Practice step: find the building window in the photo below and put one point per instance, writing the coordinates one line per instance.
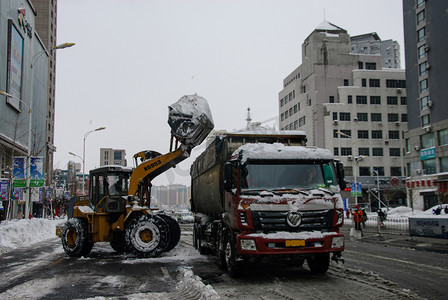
(117, 155)
(429, 166)
(286, 114)
(346, 151)
(282, 102)
(370, 66)
(421, 34)
(426, 120)
(394, 151)
(296, 124)
(364, 171)
(422, 69)
(377, 151)
(361, 99)
(377, 134)
(360, 65)
(282, 116)
(420, 2)
(421, 52)
(395, 171)
(427, 140)
(394, 135)
(364, 151)
(392, 100)
(345, 82)
(106, 154)
(443, 137)
(375, 99)
(335, 116)
(349, 99)
(296, 108)
(380, 171)
(403, 100)
(362, 117)
(335, 133)
(331, 99)
(336, 151)
(364, 82)
(424, 85)
(374, 82)
(302, 121)
(348, 171)
(375, 117)
(424, 103)
(392, 117)
(363, 134)
(344, 116)
(395, 83)
(420, 16)
(346, 134)
(444, 164)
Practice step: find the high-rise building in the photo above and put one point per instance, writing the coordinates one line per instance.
(350, 104)
(109, 156)
(426, 152)
(46, 27)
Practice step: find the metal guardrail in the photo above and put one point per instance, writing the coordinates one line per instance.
(391, 225)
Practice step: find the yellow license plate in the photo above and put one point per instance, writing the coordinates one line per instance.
(295, 243)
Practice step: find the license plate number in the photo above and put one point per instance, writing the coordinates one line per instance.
(295, 243)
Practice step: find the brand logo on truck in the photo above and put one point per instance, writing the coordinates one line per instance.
(293, 219)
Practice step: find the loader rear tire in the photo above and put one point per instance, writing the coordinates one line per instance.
(174, 231)
(147, 236)
(75, 238)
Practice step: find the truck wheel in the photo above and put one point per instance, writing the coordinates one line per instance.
(174, 231)
(319, 263)
(234, 267)
(118, 243)
(147, 236)
(75, 238)
(202, 250)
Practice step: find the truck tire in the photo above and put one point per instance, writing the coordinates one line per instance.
(147, 236)
(174, 231)
(75, 238)
(118, 243)
(202, 250)
(234, 267)
(319, 263)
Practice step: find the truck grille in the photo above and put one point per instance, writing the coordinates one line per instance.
(276, 220)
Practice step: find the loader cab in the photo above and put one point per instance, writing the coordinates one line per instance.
(109, 188)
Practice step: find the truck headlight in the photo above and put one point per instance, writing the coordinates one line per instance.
(248, 245)
(337, 242)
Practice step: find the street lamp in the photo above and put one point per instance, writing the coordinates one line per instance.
(84, 152)
(30, 111)
(83, 183)
(378, 187)
(355, 165)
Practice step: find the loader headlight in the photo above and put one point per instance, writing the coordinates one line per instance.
(248, 245)
(337, 242)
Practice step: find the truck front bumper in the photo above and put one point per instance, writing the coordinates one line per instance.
(290, 243)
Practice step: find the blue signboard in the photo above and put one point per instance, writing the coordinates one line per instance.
(37, 171)
(429, 153)
(19, 172)
(356, 191)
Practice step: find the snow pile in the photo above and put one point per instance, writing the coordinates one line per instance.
(23, 233)
(192, 287)
(280, 151)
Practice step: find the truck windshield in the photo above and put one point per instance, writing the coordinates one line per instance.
(287, 176)
(118, 184)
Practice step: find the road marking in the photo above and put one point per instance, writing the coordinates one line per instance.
(165, 272)
(400, 261)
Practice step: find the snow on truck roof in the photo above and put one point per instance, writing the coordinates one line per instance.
(280, 151)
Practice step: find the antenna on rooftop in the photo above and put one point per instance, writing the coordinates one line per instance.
(248, 119)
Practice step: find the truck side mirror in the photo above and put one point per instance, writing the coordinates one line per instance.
(340, 174)
(228, 179)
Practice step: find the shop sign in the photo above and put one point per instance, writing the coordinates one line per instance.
(24, 24)
(429, 153)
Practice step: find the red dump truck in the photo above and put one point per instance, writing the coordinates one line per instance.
(265, 196)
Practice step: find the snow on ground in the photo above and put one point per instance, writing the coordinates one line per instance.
(20, 233)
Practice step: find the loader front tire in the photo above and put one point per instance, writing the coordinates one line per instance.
(75, 238)
(147, 236)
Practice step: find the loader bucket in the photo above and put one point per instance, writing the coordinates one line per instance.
(190, 120)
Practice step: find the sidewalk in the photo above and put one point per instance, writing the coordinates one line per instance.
(404, 241)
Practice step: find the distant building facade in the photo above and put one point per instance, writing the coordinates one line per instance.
(109, 156)
(172, 196)
(426, 151)
(350, 104)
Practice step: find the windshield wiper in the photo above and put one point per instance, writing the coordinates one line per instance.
(326, 191)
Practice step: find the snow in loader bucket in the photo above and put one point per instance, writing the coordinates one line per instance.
(190, 120)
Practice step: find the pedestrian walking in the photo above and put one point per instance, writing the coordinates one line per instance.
(381, 217)
(364, 217)
(357, 218)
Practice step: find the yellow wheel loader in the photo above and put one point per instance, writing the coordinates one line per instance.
(117, 209)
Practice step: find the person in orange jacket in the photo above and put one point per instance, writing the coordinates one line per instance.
(357, 218)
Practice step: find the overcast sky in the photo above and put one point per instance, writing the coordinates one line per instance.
(134, 58)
